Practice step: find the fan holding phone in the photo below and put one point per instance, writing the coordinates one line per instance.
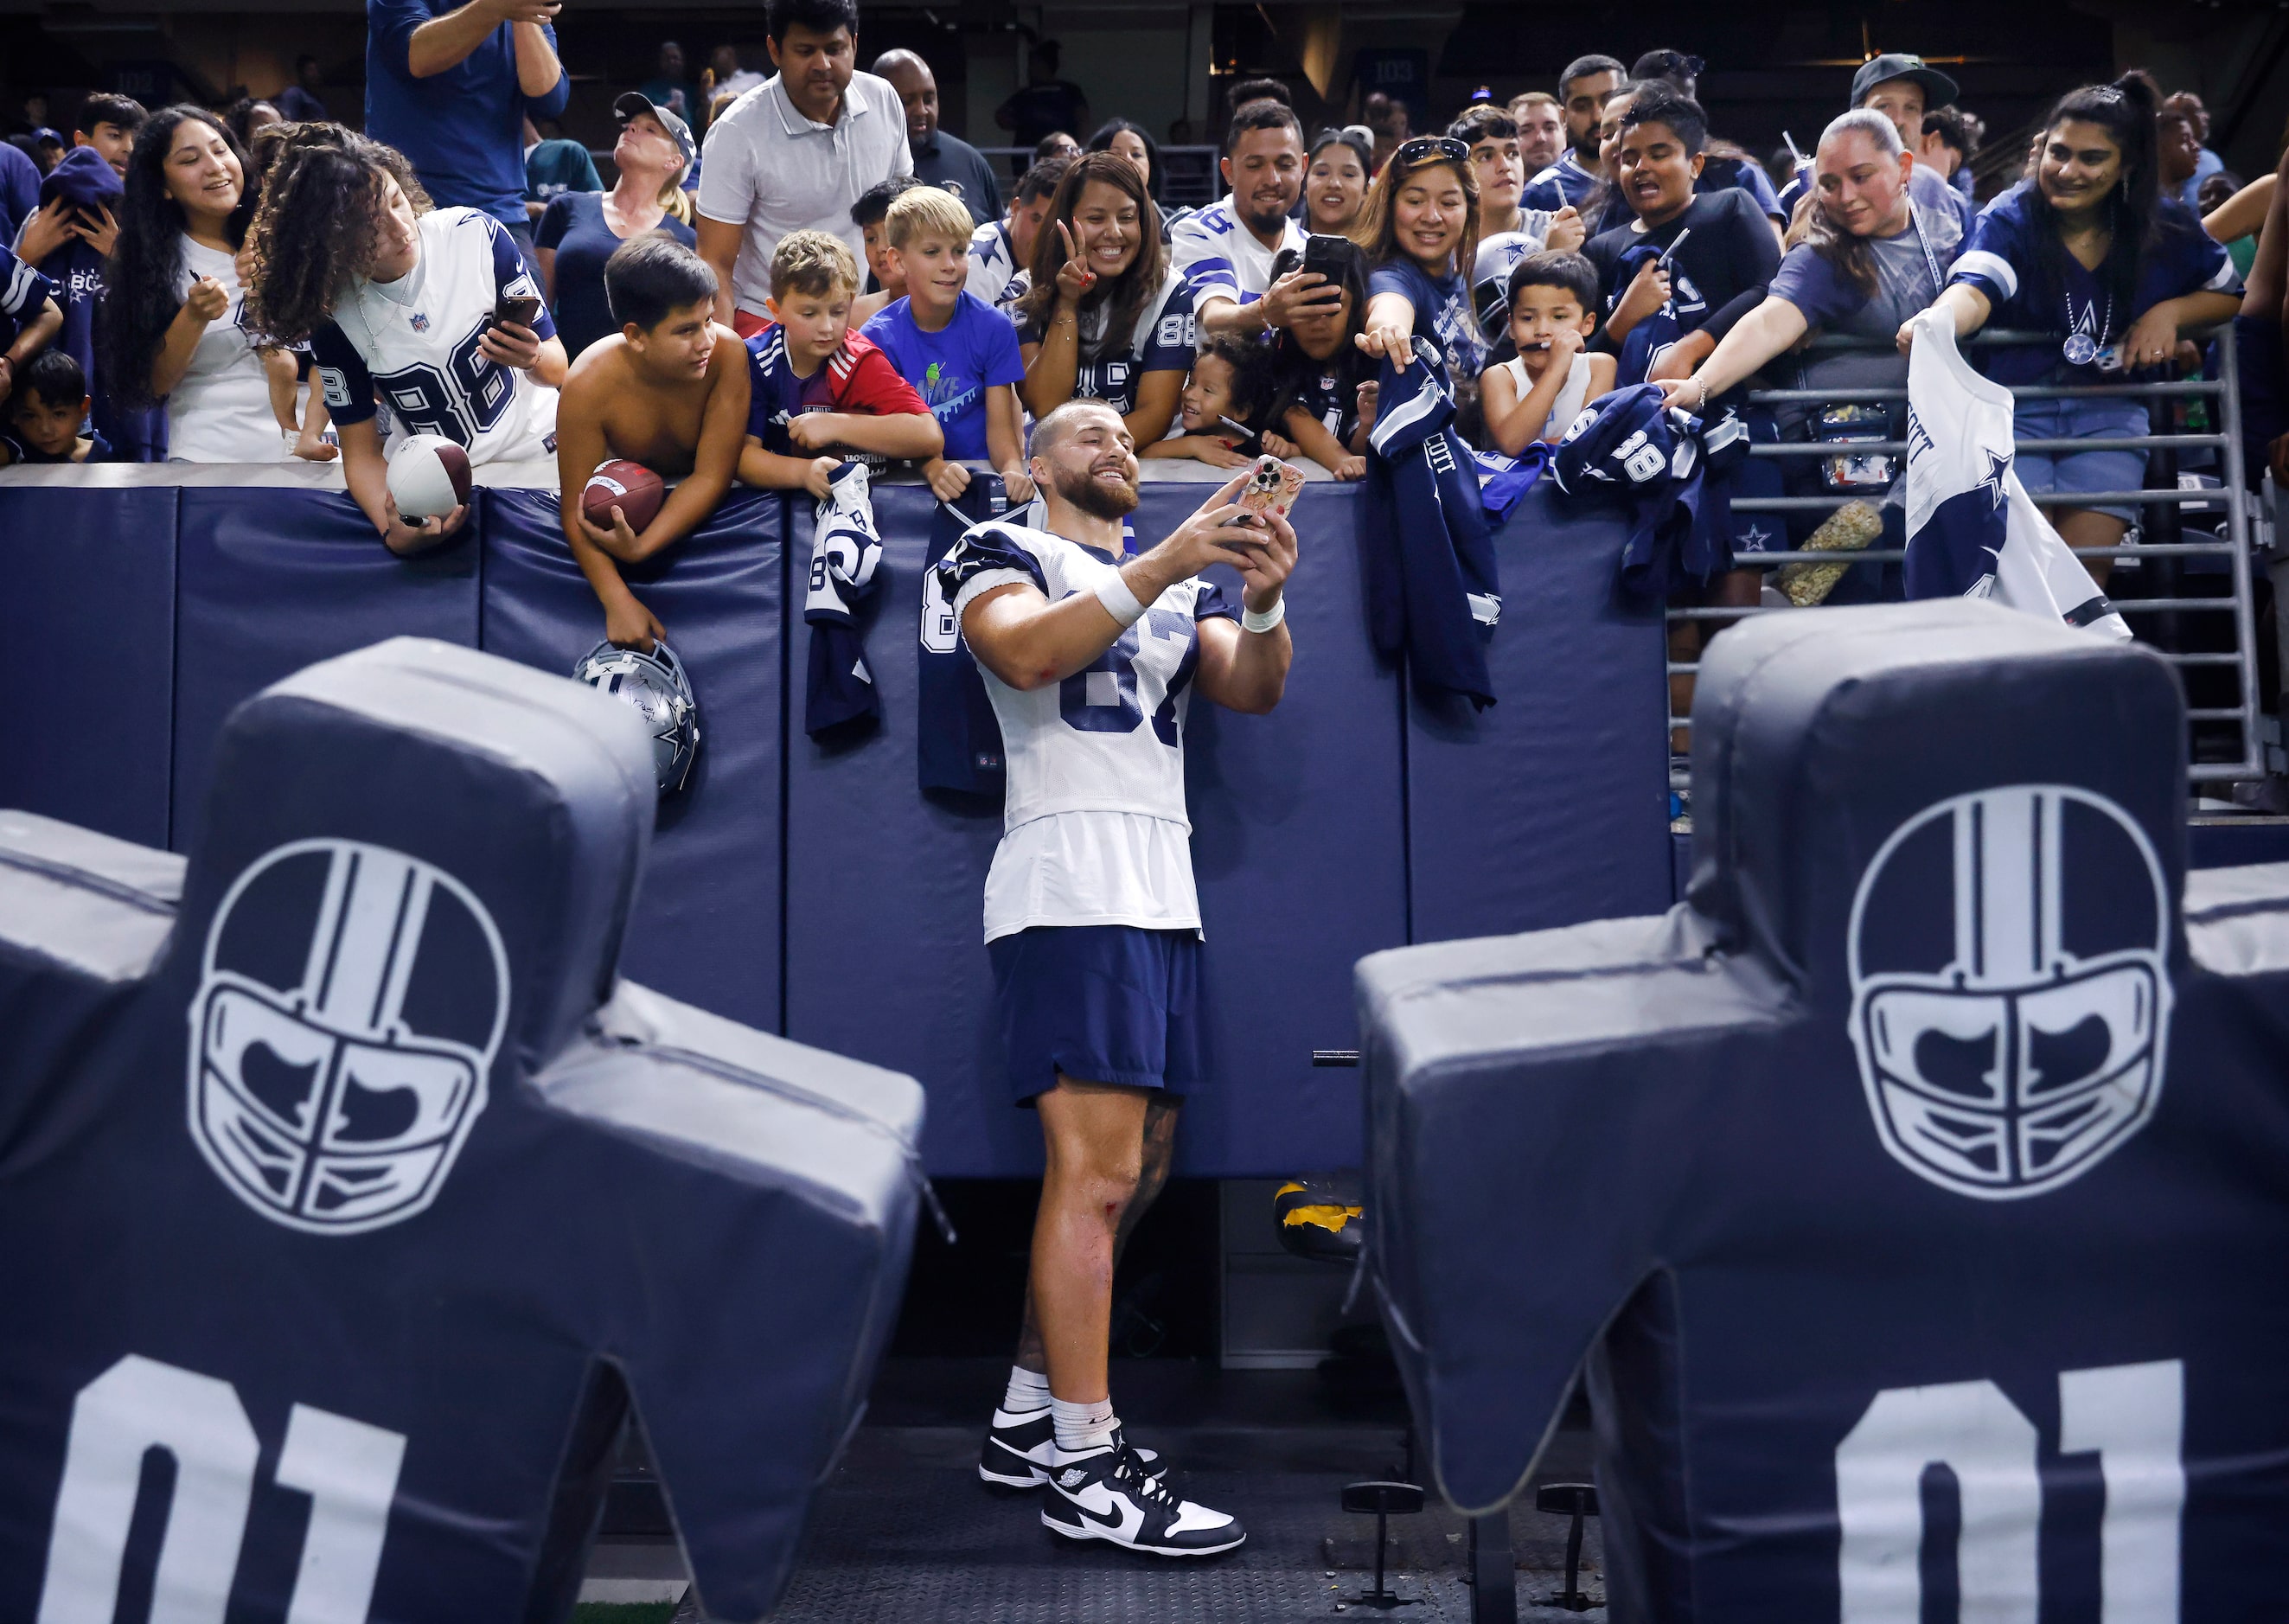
(432, 310)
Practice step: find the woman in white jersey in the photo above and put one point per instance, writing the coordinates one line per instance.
(398, 303)
(173, 328)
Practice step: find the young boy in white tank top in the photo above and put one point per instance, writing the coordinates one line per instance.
(1538, 392)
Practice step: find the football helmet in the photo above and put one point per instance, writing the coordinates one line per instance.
(655, 684)
(350, 1003)
(2009, 957)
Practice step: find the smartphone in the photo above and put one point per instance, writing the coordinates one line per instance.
(516, 308)
(1328, 256)
(1272, 487)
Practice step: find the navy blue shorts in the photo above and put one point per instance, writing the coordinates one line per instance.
(1099, 1003)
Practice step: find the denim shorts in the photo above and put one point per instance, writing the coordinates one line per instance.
(2067, 472)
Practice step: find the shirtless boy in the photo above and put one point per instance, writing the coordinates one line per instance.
(668, 391)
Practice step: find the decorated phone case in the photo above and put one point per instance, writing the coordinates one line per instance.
(1272, 487)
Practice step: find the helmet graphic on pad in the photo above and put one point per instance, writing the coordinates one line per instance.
(2011, 988)
(350, 1004)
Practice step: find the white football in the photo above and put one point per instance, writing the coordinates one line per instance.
(428, 477)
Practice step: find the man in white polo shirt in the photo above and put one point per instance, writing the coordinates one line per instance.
(795, 153)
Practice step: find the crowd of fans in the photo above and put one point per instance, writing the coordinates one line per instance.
(165, 298)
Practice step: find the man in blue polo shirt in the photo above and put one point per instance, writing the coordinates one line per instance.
(450, 88)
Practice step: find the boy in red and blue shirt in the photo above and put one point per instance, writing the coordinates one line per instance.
(816, 387)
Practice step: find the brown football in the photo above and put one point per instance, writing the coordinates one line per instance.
(629, 486)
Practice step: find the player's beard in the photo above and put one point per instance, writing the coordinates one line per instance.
(1095, 497)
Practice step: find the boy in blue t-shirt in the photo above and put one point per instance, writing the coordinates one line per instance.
(954, 349)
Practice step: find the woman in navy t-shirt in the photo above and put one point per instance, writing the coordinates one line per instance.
(2088, 248)
(1420, 221)
(580, 230)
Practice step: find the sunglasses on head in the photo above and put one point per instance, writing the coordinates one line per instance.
(1431, 150)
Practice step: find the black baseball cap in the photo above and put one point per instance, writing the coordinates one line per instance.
(1939, 90)
(632, 102)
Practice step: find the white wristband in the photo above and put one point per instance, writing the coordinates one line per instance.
(1250, 621)
(1119, 602)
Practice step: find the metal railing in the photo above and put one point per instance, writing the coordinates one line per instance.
(1189, 179)
(2155, 617)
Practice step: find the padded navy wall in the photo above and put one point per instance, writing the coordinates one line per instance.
(707, 928)
(885, 889)
(270, 580)
(1551, 807)
(89, 605)
(1349, 820)
(1297, 844)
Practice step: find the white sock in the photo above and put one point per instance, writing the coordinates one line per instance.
(1028, 1391)
(1082, 1428)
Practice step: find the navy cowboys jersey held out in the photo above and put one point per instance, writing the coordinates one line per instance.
(1094, 830)
(1917, 1189)
(414, 344)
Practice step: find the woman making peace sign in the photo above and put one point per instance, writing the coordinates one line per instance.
(1106, 319)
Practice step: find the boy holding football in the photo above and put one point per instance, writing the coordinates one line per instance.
(814, 385)
(669, 390)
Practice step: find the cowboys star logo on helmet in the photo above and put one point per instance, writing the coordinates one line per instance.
(2011, 988)
(350, 1004)
(653, 682)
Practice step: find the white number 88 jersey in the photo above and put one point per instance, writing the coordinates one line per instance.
(413, 346)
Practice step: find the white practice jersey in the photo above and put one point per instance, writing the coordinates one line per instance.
(1219, 257)
(1972, 531)
(1095, 831)
(412, 345)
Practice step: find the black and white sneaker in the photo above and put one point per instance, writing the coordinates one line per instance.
(1018, 1450)
(1106, 1496)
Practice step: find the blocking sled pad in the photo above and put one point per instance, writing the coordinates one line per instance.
(337, 1171)
(1913, 1195)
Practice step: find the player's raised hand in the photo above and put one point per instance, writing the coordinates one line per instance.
(1218, 532)
(1074, 278)
(510, 344)
(207, 301)
(1265, 564)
